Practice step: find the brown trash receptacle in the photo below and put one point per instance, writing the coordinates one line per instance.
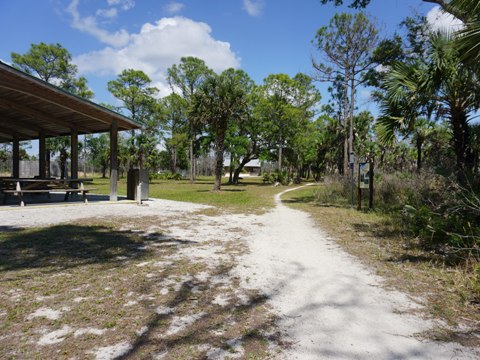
(132, 183)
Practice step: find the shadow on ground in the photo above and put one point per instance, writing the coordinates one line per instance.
(68, 246)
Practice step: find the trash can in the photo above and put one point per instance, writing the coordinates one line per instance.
(132, 183)
(137, 177)
(144, 181)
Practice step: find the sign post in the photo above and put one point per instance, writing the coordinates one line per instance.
(352, 167)
(365, 181)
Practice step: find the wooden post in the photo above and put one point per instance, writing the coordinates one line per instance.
(370, 185)
(113, 161)
(16, 157)
(42, 171)
(359, 191)
(74, 154)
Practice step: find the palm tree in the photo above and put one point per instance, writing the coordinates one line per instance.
(440, 85)
(219, 100)
(468, 41)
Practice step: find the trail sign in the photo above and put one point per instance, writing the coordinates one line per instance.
(364, 175)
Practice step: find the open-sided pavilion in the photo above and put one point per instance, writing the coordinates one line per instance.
(32, 109)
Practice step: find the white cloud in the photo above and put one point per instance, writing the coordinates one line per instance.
(158, 46)
(174, 7)
(253, 7)
(107, 13)
(89, 25)
(440, 20)
(124, 4)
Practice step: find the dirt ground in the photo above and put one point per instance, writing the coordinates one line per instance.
(172, 280)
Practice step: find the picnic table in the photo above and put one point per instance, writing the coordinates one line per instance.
(20, 186)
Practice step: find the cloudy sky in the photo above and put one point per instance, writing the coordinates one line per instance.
(259, 36)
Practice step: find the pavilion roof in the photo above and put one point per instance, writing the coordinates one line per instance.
(29, 106)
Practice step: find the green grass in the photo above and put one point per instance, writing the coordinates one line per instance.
(250, 196)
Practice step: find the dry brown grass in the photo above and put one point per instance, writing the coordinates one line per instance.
(127, 282)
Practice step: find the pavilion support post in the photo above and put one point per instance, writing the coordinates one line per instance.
(74, 154)
(42, 152)
(16, 158)
(113, 161)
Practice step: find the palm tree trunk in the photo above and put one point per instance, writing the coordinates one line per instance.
(461, 143)
(280, 157)
(219, 147)
(419, 144)
(192, 165)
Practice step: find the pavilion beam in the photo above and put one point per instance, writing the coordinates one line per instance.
(14, 133)
(113, 161)
(40, 115)
(11, 132)
(16, 158)
(42, 152)
(74, 154)
(22, 125)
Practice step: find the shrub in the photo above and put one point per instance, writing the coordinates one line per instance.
(443, 215)
(335, 192)
(449, 223)
(276, 177)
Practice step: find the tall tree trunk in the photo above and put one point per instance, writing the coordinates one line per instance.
(173, 162)
(419, 144)
(239, 168)
(280, 150)
(345, 156)
(352, 110)
(219, 147)
(231, 169)
(192, 162)
(345, 127)
(299, 170)
(461, 144)
(63, 164)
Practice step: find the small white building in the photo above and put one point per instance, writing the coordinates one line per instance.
(252, 168)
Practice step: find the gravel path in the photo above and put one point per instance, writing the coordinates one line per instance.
(330, 305)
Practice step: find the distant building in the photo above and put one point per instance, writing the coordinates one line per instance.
(252, 168)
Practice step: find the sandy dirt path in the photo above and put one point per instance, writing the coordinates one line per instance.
(331, 306)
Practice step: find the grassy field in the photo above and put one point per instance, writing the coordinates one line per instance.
(449, 293)
(251, 196)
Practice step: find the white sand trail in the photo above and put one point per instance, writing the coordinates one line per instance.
(330, 305)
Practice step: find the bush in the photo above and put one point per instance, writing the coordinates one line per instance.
(394, 191)
(276, 177)
(443, 215)
(336, 191)
(450, 223)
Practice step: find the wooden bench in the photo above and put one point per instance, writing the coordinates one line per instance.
(68, 191)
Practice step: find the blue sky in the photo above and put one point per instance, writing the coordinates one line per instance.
(258, 36)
